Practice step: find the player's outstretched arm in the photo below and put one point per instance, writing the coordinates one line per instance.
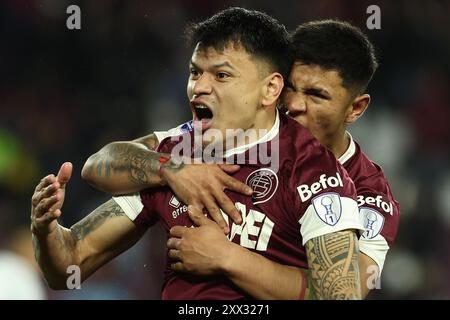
(89, 244)
(333, 266)
(127, 167)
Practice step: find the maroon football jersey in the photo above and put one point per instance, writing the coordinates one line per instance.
(309, 194)
(378, 208)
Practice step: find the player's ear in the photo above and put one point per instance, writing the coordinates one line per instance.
(357, 108)
(273, 85)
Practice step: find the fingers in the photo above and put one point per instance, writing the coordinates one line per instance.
(64, 174)
(60, 195)
(178, 231)
(47, 200)
(237, 186)
(48, 217)
(174, 254)
(45, 182)
(49, 184)
(42, 224)
(198, 217)
(232, 183)
(174, 243)
(50, 190)
(229, 168)
(45, 192)
(228, 207)
(213, 211)
(177, 266)
(45, 205)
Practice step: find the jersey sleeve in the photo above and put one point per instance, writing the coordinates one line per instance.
(138, 207)
(177, 131)
(325, 199)
(380, 214)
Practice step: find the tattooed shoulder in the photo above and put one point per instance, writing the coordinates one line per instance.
(96, 218)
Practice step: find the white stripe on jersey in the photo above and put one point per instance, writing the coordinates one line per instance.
(174, 132)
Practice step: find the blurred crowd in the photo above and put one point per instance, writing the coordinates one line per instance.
(66, 93)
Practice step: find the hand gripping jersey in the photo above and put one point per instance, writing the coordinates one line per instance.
(308, 195)
(378, 208)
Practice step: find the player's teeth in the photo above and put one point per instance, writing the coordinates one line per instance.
(202, 107)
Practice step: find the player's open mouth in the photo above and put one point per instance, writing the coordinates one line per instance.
(204, 114)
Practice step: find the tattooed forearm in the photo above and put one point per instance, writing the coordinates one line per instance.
(129, 157)
(333, 264)
(95, 219)
(140, 165)
(126, 167)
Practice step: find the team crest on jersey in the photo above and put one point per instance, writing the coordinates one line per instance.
(373, 222)
(328, 207)
(264, 183)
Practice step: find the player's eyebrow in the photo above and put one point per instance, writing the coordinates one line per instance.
(194, 65)
(215, 66)
(224, 64)
(317, 91)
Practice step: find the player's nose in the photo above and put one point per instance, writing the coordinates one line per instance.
(295, 105)
(203, 85)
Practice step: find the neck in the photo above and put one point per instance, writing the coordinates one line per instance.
(263, 123)
(339, 144)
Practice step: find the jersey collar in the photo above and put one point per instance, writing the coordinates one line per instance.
(267, 137)
(350, 150)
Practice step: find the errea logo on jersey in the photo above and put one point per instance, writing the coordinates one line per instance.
(174, 202)
(377, 201)
(306, 192)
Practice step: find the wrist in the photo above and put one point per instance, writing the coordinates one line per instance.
(164, 163)
(43, 233)
(227, 264)
(168, 166)
(304, 294)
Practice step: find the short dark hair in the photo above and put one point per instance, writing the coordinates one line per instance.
(336, 45)
(258, 33)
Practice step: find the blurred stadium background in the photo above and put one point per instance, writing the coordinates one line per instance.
(64, 94)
